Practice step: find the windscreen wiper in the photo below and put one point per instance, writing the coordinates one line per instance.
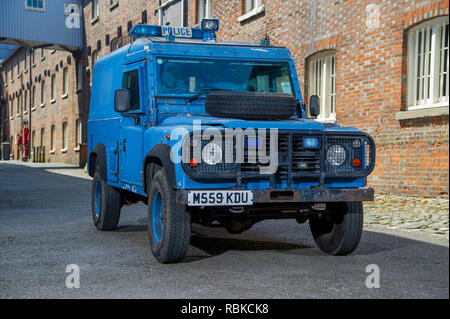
(207, 90)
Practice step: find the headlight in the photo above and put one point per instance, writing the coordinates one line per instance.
(212, 154)
(336, 155)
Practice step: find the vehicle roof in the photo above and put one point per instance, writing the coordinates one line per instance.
(198, 47)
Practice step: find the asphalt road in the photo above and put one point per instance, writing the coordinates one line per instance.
(46, 224)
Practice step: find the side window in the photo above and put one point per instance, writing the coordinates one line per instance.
(130, 81)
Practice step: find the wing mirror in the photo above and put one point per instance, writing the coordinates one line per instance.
(314, 106)
(122, 100)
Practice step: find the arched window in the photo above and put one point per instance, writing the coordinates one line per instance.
(79, 132)
(42, 136)
(322, 82)
(115, 44)
(43, 93)
(33, 97)
(19, 105)
(79, 74)
(94, 9)
(428, 64)
(53, 88)
(65, 81)
(25, 102)
(52, 138)
(64, 136)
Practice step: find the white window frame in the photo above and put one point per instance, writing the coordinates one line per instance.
(27, 7)
(207, 8)
(432, 79)
(94, 8)
(252, 8)
(251, 5)
(168, 3)
(322, 82)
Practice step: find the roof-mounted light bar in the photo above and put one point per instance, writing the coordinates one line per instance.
(207, 31)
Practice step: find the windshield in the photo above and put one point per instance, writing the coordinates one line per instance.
(189, 76)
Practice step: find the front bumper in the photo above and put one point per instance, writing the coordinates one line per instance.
(316, 195)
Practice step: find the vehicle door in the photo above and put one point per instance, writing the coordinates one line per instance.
(131, 128)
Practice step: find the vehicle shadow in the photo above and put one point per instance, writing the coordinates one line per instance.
(217, 245)
(207, 242)
(131, 228)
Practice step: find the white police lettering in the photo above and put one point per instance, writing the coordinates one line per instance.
(177, 32)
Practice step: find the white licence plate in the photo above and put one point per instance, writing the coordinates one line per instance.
(220, 198)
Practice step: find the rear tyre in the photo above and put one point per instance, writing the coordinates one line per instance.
(106, 202)
(169, 223)
(339, 232)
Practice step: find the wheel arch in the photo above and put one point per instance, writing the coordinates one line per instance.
(160, 154)
(98, 152)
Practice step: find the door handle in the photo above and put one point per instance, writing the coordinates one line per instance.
(124, 145)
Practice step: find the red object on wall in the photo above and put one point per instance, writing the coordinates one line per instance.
(26, 135)
(19, 140)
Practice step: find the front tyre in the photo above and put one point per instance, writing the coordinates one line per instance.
(339, 231)
(169, 224)
(105, 201)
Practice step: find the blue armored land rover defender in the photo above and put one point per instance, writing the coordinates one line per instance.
(217, 133)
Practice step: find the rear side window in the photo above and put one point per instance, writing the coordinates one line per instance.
(130, 81)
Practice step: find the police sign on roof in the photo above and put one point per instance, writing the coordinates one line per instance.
(181, 32)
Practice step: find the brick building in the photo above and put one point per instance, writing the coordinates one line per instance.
(381, 66)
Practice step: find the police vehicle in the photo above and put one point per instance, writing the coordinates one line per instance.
(217, 133)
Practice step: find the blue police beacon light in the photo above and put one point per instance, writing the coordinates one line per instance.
(206, 32)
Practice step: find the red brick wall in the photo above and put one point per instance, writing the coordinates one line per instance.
(67, 109)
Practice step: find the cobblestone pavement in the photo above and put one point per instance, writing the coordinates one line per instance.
(429, 214)
(412, 213)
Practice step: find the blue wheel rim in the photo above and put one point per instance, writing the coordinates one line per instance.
(97, 198)
(157, 222)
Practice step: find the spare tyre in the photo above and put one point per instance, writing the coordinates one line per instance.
(251, 105)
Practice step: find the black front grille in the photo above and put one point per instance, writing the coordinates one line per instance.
(295, 161)
(301, 160)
